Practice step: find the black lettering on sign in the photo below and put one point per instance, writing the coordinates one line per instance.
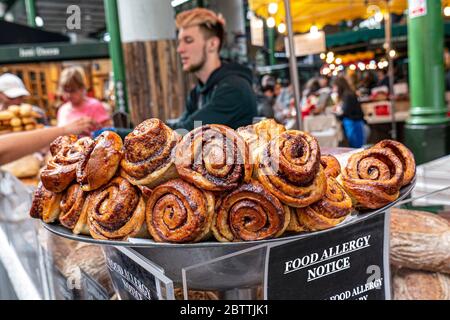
(343, 263)
(130, 279)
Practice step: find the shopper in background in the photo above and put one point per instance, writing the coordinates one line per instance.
(224, 93)
(73, 86)
(383, 78)
(16, 145)
(310, 97)
(266, 99)
(13, 92)
(324, 93)
(350, 112)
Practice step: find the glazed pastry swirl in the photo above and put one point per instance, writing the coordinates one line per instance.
(45, 205)
(179, 212)
(67, 153)
(100, 161)
(257, 135)
(149, 154)
(249, 213)
(116, 211)
(289, 167)
(373, 177)
(331, 165)
(72, 204)
(404, 154)
(214, 158)
(325, 213)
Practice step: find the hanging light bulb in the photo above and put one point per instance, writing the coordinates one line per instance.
(314, 29)
(352, 67)
(338, 60)
(323, 56)
(378, 17)
(281, 28)
(447, 11)
(273, 8)
(271, 22)
(392, 53)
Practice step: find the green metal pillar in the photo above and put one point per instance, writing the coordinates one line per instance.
(271, 43)
(426, 131)
(30, 8)
(116, 54)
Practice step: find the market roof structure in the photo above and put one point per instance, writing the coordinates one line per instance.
(306, 13)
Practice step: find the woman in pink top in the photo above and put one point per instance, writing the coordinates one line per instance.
(78, 105)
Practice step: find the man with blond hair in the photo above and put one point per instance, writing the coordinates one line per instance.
(224, 93)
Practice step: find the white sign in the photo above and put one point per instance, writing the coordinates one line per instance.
(308, 43)
(417, 8)
(257, 32)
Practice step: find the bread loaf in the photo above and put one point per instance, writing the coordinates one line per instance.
(420, 285)
(420, 241)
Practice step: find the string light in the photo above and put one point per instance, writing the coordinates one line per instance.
(273, 8)
(447, 11)
(338, 60)
(271, 22)
(323, 56)
(392, 53)
(281, 28)
(314, 29)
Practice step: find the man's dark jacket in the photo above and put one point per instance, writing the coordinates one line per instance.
(226, 98)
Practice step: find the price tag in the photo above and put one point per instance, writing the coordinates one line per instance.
(345, 263)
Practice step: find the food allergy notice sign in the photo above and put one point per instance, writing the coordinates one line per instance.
(345, 263)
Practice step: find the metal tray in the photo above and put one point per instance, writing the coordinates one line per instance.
(173, 257)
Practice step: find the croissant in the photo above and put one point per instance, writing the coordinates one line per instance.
(179, 212)
(100, 161)
(60, 171)
(71, 205)
(149, 154)
(257, 135)
(325, 213)
(405, 156)
(331, 165)
(214, 158)
(289, 167)
(116, 211)
(373, 177)
(45, 204)
(249, 213)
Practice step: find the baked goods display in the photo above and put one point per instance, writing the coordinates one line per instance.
(420, 285)
(325, 213)
(420, 241)
(178, 211)
(213, 157)
(373, 177)
(289, 167)
(150, 154)
(116, 211)
(249, 213)
(19, 118)
(420, 255)
(61, 170)
(214, 184)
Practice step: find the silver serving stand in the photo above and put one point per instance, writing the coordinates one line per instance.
(243, 271)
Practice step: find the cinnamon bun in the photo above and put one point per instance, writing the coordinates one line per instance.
(289, 167)
(214, 158)
(149, 154)
(116, 211)
(249, 213)
(100, 161)
(179, 212)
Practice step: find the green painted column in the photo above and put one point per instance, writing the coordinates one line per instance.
(116, 54)
(271, 43)
(426, 66)
(426, 131)
(30, 8)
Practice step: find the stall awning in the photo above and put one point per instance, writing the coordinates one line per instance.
(366, 35)
(320, 13)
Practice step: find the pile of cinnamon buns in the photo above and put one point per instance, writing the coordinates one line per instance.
(258, 182)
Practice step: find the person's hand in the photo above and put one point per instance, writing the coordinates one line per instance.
(82, 125)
